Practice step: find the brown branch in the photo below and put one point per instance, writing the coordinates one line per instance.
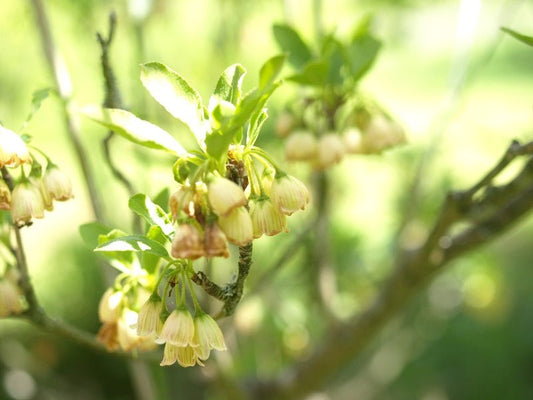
(412, 271)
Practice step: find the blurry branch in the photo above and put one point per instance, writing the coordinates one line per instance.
(230, 294)
(64, 89)
(413, 269)
(113, 100)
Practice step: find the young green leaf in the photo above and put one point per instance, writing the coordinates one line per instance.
(133, 243)
(134, 129)
(91, 231)
(523, 38)
(314, 73)
(270, 71)
(361, 54)
(143, 206)
(290, 41)
(332, 51)
(150, 261)
(176, 95)
(230, 83)
(37, 98)
(256, 123)
(121, 260)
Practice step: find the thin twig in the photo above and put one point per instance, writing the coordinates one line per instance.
(113, 99)
(63, 86)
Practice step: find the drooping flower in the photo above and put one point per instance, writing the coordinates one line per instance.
(10, 298)
(111, 305)
(26, 203)
(266, 218)
(330, 151)
(47, 200)
(215, 242)
(352, 140)
(289, 194)
(188, 242)
(301, 146)
(224, 196)
(149, 321)
(5, 196)
(181, 200)
(185, 356)
(207, 336)
(237, 226)
(57, 184)
(13, 150)
(178, 328)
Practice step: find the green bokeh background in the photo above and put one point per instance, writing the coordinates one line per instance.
(467, 336)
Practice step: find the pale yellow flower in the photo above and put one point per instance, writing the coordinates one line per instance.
(224, 196)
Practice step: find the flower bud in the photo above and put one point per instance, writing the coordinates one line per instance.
(237, 226)
(108, 335)
(188, 242)
(207, 336)
(5, 196)
(352, 141)
(330, 150)
(266, 218)
(301, 146)
(13, 150)
(57, 184)
(289, 194)
(284, 124)
(110, 307)
(215, 242)
(26, 203)
(224, 196)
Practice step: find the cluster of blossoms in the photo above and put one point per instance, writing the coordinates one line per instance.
(132, 319)
(312, 138)
(215, 210)
(32, 194)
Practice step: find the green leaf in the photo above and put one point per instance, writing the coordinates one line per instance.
(314, 74)
(176, 95)
(256, 123)
(150, 261)
(91, 231)
(133, 243)
(270, 71)
(523, 38)
(217, 143)
(161, 199)
(332, 51)
(229, 85)
(143, 206)
(134, 129)
(37, 98)
(290, 41)
(121, 260)
(361, 54)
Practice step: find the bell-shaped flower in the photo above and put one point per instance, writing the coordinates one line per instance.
(301, 146)
(47, 200)
(178, 328)
(352, 139)
(266, 218)
(10, 298)
(185, 356)
(57, 184)
(207, 336)
(26, 203)
(289, 194)
(181, 200)
(215, 242)
(224, 196)
(188, 242)
(149, 321)
(13, 150)
(5, 196)
(330, 151)
(111, 305)
(237, 226)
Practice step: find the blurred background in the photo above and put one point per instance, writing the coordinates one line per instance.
(457, 85)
